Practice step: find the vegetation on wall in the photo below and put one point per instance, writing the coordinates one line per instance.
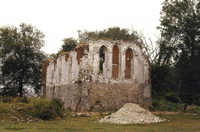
(113, 33)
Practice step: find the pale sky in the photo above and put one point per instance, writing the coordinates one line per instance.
(59, 19)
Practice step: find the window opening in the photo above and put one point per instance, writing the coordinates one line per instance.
(102, 58)
(128, 63)
(115, 62)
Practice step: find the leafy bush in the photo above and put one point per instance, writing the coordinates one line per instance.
(57, 106)
(173, 98)
(155, 105)
(45, 109)
(164, 105)
(164, 81)
(169, 106)
(192, 109)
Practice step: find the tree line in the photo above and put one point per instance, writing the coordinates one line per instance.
(175, 58)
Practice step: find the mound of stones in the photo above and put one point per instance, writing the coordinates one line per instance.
(132, 114)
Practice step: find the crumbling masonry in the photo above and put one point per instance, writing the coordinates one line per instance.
(99, 75)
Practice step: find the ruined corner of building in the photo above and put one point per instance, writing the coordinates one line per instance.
(99, 75)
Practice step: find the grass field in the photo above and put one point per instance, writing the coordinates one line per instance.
(177, 123)
(16, 116)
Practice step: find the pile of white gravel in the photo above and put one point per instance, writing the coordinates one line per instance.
(132, 114)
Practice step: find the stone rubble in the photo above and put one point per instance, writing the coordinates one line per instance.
(131, 114)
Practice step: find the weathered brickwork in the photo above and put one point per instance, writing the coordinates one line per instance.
(88, 79)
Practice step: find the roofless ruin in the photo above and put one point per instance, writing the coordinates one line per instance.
(99, 75)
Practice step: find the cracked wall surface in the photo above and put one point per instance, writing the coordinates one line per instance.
(77, 79)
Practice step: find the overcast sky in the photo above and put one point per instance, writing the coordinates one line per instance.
(59, 19)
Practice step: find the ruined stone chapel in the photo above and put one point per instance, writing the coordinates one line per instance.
(102, 74)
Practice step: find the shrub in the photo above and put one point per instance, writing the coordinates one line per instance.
(164, 105)
(45, 109)
(193, 109)
(173, 98)
(57, 106)
(155, 105)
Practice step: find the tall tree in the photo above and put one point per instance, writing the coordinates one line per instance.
(180, 29)
(180, 45)
(21, 57)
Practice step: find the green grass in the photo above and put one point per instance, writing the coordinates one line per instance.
(177, 123)
(14, 117)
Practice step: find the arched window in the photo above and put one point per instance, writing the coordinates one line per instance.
(115, 62)
(129, 63)
(103, 60)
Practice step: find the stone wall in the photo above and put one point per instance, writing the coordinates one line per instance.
(76, 78)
